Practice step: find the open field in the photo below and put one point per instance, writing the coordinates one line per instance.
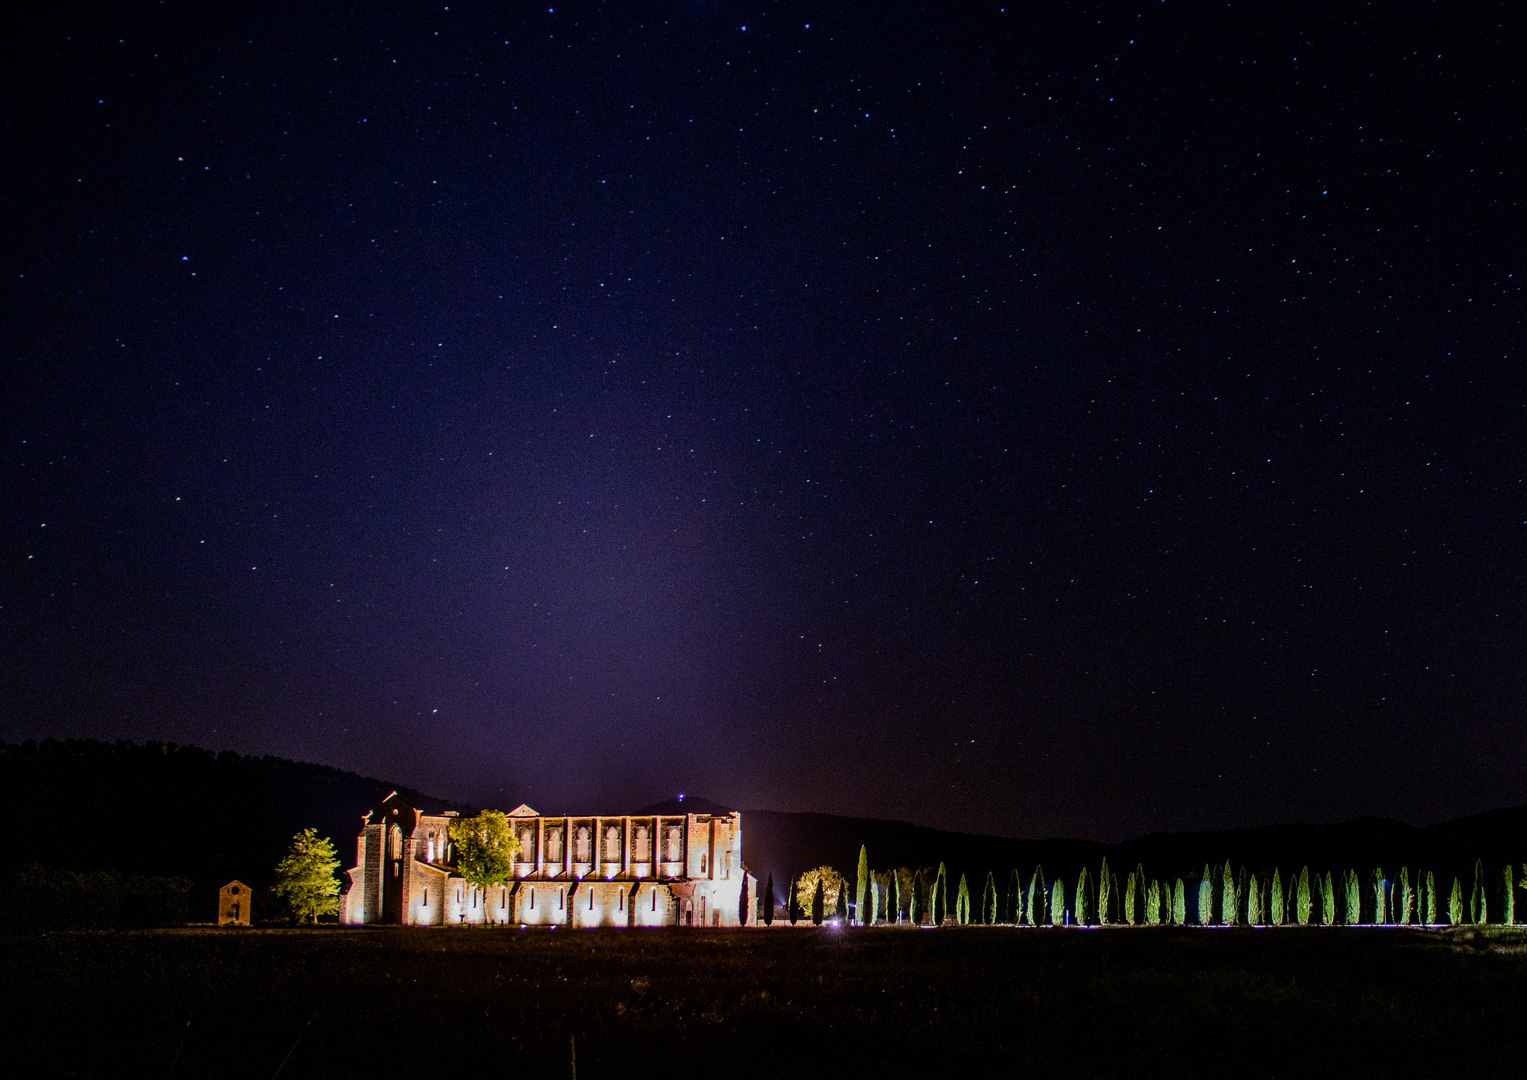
(1117, 1002)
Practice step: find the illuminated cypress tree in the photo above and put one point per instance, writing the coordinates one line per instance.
(1034, 911)
(1455, 904)
(989, 900)
(876, 893)
(895, 913)
(842, 911)
(1327, 900)
(1431, 898)
(1129, 899)
(862, 885)
(1104, 882)
(1206, 897)
(1304, 902)
(962, 903)
(1141, 883)
(1508, 909)
(1229, 902)
(1352, 913)
(1153, 904)
(1277, 898)
(1080, 909)
(1400, 904)
(1378, 897)
(938, 907)
(1179, 904)
(1058, 903)
(1253, 903)
(1477, 909)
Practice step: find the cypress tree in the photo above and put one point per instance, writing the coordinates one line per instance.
(1277, 898)
(1327, 900)
(876, 895)
(1058, 903)
(744, 912)
(1179, 904)
(1402, 902)
(1253, 903)
(1129, 899)
(1431, 898)
(1036, 913)
(768, 902)
(1379, 905)
(939, 906)
(1104, 883)
(1141, 879)
(1229, 902)
(1352, 913)
(896, 901)
(818, 903)
(1304, 902)
(1153, 904)
(1455, 904)
(962, 903)
(792, 904)
(989, 900)
(1477, 898)
(1206, 897)
(1508, 903)
(862, 882)
(1079, 910)
(842, 911)
(914, 913)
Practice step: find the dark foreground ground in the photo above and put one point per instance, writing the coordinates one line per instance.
(796, 1002)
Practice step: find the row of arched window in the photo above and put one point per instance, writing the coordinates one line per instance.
(642, 846)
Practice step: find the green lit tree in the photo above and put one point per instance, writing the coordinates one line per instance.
(833, 886)
(305, 876)
(1431, 898)
(1508, 900)
(1141, 883)
(1276, 915)
(1179, 904)
(1379, 905)
(1253, 903)
(1327, 900)
(1304, 901)
(989, 900)
(1105, 882)
(1080, 909)
(1402, 898)
(1352, 913)
(940, 903)
(1478, 909)
(1230, 902)
(1015, 898)
(1034, 906)
(1129, 899)
(962, 903)
(485, 848)
(1455, 904)
(1058, 903)
(1206, 897)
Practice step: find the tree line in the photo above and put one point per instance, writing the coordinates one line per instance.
(1219, 895)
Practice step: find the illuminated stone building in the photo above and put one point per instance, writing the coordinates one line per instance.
(621, 870)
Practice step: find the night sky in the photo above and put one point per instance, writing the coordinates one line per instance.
(1062, 419)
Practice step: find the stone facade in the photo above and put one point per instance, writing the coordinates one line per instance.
(619, 870)
(233, 904)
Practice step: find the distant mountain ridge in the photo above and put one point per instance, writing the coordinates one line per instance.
(159, 808)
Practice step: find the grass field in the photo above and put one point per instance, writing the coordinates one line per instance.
(930, 1003)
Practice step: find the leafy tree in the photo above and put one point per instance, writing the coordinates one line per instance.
(989, 900)
(1276, 915)
(1230, 904)
(768, 902)
(1508, 909)
(485, 848)
(1079, 910)
(305, 876)
(1180, 904)
(832, 884)
(1352, 915)
(940, 903)
(1105, 881)
(863, 882)
(1455, 904)
(1058, 903)
(1327, 900)
(1304, 902)
(1478, 911)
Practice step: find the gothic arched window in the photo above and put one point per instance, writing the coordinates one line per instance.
(643, 844)
(581, 852)
(612, 844)
(674, 839)
(395, 843)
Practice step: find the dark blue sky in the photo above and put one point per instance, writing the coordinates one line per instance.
(1060, 419)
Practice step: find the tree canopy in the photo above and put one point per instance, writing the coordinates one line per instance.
(485, 848)
(305, 877)
(806, 886)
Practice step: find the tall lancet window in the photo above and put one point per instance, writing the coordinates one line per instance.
(643, 844)
(612, 845)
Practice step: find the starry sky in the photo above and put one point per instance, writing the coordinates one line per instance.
(1055, 419)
